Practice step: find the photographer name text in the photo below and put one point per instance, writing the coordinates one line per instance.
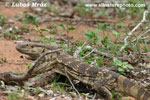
(28, 4)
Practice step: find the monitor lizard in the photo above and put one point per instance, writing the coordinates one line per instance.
(101, 80)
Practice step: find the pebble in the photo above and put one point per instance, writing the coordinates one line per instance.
(41, 95)
(62, 95)
(55, 95)
(50, 92)
(52, 99)
(67, 98)
(147, 65)
(127, 98)
(73, 94)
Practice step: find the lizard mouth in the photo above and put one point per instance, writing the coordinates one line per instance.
(24, 51)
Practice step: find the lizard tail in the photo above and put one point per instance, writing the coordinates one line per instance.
(133, 89)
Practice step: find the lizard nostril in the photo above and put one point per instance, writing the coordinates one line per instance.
(43, 50)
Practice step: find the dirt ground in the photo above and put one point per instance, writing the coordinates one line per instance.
(14, 62)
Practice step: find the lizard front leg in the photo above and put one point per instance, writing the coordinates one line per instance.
(103, 91)
(104, 82)
(41, 80)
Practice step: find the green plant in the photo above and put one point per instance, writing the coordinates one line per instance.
(100, 62)
(3, 20)
(87, 95)
(118, 35)
(24, 29)
(14, 32)
(68, 29)
(40, 90)
(82, 9)
(120, 12)
(29, 65)
(15, 96)
(28, 18)
(92, 36)
(134, 10)
(104, 27)
(48, 39)
(53, 8)
(102, 12)
(50, 8)
(116, 95)
(60, 86)
(131, 10)
(122, 65)
(11, 34)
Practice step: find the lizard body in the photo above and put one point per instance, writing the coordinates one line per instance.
(100, 79)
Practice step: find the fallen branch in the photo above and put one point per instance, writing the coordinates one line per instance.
(138, 38)
(71, 83)
(131, 32)
(76, 53)
(89, 53)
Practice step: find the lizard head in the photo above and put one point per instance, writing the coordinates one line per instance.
(33, 49)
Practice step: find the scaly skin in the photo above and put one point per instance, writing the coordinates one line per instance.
(102, 80)
(28, 49)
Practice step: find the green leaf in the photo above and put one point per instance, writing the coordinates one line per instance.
(115, 32)
(71, 28)
(129, 66)
(122, 34)
(63, 26)
(124, 66)
(51, 31)
(121, 24)
(37, 24)
(44, 29)
(120, 69)
(100, 62)
(67, 22)
(117, 62)
(21, 95)
(92, 35)
(125, 63)
(99, 25)
(29, 64)
(96, 31)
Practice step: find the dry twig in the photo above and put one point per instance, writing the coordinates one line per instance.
(138, 38)
(93, 50)
(71, 82)
(76, 53)
(131, 32)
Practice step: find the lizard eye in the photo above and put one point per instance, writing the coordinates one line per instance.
(32, 46)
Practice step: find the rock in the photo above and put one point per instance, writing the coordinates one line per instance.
(73, 94)
(50, 92)
(52, 99)
(147, 65)
(41, 95)
(127, 98)
(67, 98)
